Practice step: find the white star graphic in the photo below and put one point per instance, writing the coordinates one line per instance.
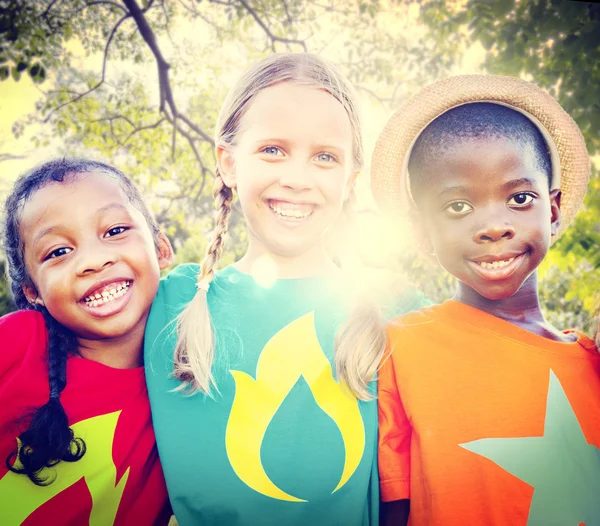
(562, 467)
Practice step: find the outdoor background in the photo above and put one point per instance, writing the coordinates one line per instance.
(138, 84)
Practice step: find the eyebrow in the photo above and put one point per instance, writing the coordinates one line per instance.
(510, 185)
(111, 206)
(455, 188)
(45, 232)
(515, 183)
(57, 228)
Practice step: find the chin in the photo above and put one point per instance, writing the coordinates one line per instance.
(498, 294)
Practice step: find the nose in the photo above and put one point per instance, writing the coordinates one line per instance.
(495, 228)
(93, 257)
(296, 175)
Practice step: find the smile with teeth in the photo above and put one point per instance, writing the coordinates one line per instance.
(496, 264)
(294, 211)
(110, 293)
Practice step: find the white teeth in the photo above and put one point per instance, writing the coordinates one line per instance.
(95, 300)
(496, 264)
(289, 212)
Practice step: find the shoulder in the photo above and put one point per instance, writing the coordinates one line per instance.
(419, 323)
(21, 332)
(177, 287)
(21, 325)
(182, 276)
(394, 293)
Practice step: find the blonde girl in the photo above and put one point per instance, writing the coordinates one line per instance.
(262, 397)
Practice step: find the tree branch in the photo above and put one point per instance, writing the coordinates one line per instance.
(10, 157)
(274, 38)
(135, 128)
(47, 10)
(93, 88)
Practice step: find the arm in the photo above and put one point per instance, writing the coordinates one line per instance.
(394, 513)
(395, 432)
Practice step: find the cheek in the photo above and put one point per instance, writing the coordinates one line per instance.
(334, 187)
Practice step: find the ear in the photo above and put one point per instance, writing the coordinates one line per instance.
(420, 233)
(164, 251)
(555, 214)
(32, 294)
(226, 164)
(350, 184)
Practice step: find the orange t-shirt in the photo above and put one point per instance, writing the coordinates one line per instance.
(482, 422)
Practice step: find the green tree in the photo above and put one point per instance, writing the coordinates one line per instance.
(6, 303)
(158, 128)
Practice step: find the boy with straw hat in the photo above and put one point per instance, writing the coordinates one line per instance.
(488, 414)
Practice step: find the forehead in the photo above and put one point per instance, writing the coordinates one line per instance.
(296, 110)
(79, 196)
(483, 159)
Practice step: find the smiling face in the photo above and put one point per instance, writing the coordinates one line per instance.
(91, 257)
(488, 215)
(292, 166)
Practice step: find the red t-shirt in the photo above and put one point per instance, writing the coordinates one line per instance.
(482, 422)
(119, 480)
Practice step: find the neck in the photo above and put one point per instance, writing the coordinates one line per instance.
(123, 352)
(258, 260)
(521, 309)
(524, 304)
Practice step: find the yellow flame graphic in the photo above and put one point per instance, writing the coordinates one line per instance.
(19, 497)
(292, 352)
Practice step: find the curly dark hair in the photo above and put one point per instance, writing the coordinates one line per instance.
(49, 440)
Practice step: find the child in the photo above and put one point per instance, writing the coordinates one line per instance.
(84, 256)
(253, 426)
(488, 414)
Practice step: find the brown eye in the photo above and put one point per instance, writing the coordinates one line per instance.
(521, 200)
(458, 208)
(59, 252)
(116, 231)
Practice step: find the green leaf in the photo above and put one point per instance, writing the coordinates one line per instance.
(16, 74)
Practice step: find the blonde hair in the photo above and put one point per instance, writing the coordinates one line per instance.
(360, 342)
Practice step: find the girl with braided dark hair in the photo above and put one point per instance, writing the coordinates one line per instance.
(84, 258)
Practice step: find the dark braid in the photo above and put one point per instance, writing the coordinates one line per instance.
(49, 440)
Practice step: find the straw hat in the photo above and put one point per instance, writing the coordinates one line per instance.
(570, 160)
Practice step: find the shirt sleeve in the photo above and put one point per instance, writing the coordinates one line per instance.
(19, 331)
(394, 438)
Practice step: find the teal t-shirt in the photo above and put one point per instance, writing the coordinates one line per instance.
(280, 441)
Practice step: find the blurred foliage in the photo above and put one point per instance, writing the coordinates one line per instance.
(147, 51)
(555, 43)
(6, 303)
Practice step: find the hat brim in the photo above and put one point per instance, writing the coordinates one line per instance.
(570, 159)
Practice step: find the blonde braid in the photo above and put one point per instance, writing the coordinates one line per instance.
(194, 350)
(361, 340)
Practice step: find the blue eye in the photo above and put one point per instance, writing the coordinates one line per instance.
(116, 231)
(458, 208)
(59, 252)
(325, 158)
(521, 200)
(271, 150)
